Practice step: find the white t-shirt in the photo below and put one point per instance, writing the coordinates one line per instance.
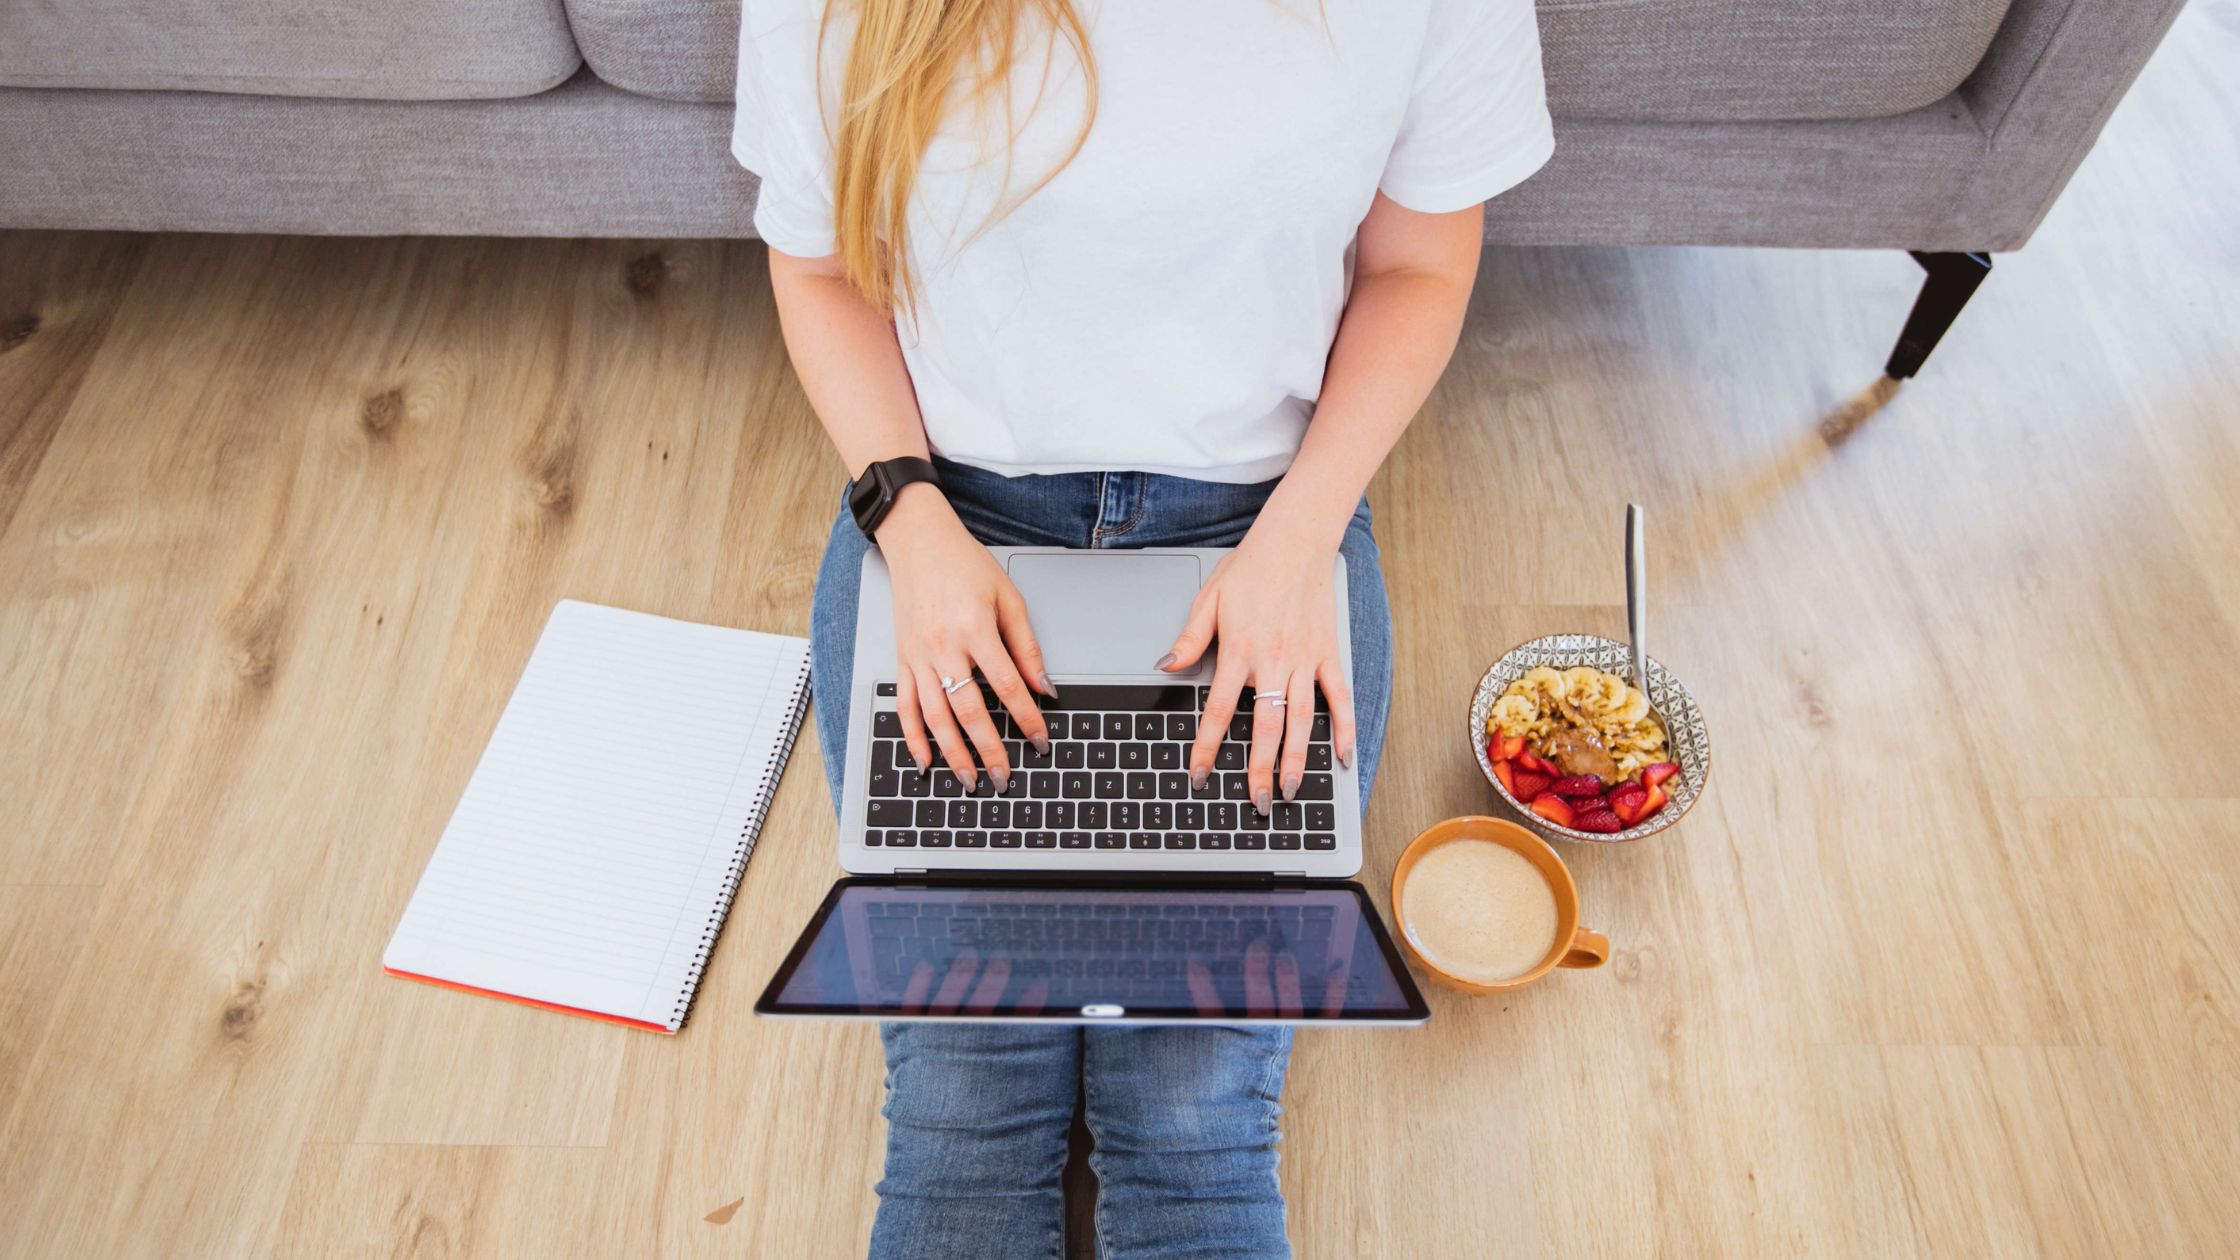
(1167, 301)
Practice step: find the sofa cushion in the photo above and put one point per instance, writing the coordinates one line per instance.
(1663, 60)
(385, 49)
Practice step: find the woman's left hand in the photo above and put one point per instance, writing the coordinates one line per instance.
(1270, 604)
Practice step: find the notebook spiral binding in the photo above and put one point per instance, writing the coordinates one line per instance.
(765, 786)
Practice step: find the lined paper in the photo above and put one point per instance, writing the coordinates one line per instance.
(596, 848)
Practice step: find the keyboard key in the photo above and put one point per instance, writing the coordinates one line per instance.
(1321, 733)
(1315, 787)
(1118, 727)
(1042, 839)
(1142, 785)
(1167, 756)
(1127, 815)
(1086, 725)
(1182, 727)
(1290, 816)
(1158, 815)
(1321, 840)
(1284, 840)
(982, 786)
(916, 783)
(930, 814)
(1032, 758)
(902, 839)
(1135, 756)
(1181, 840)
(1091, 814)
(884, 783)
(1210, 790)
(1058, 815)
(1240, 726)
(964, 813)
(886, 724)
(996, 813)
(1111, 784)
(1190, 815)
(1111, 840)
(1254, 820)
(1104, 755)
(1318, 756)
(1073, 755)
(1078, 785)
(887, 814)
(972, 839)
(946, 783)
(1214, 840)
(1143, 840)
(1222, 815)
(934, 839)
(1235, 787)
(883, 689)
(1044, 784)
(1251, 841)
(1229, 755)
(1150, 726)
(1015, 787)
(871, 839)
(1027, 815)
(1003, 839)
(1321, 816)
(886, 753)
(1174, 785)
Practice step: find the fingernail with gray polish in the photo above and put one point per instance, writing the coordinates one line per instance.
(1042, 744)
(1001, 778)
(1042, 680)
(1198, 778)
(1164, 661)
(1261, 802)
(1290, 786)
(1345, 758)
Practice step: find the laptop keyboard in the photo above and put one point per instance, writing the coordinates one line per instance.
(1116, 777)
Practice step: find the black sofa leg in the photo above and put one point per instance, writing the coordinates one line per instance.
(1952, 280)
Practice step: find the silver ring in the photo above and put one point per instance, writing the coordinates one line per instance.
(951, 686)
(1270, 698)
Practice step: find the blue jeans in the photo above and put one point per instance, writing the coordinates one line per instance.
(1184, 1119)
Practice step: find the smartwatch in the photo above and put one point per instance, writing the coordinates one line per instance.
(871, 496)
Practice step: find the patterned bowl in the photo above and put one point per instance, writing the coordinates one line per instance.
(1686, 740)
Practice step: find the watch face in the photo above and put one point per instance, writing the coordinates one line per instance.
(865, 495)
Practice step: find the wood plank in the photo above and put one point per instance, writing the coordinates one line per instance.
(58, 296)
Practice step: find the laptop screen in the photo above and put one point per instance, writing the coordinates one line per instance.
(887, 949)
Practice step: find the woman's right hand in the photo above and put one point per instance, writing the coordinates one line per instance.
(956, 610)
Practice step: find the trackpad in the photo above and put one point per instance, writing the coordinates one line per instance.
(1105, 612)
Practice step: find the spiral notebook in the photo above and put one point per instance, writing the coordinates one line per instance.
(595, 851)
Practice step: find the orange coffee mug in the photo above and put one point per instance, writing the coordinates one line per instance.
(1572, 945)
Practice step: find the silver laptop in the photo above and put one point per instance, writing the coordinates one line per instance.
(1100, 886)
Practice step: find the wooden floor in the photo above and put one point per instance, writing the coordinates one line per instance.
(1944, 964)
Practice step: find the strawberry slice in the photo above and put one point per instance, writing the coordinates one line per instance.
(1626, 801)
(1529, 785)
(1526, 761)
(1578, 785)
(1504, 747)
(1652, 775)
(1601, 821)
(1656, 801)
(1503, 771)
(1553, 808)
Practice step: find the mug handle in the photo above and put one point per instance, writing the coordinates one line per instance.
(1589, 948)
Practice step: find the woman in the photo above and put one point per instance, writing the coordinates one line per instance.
(1137, 273)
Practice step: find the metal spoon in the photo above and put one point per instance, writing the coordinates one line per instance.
(1637, 596)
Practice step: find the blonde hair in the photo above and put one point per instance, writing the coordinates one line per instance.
(904, 65)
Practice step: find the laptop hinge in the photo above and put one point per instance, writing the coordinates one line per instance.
(1289, 874)
(909, 870)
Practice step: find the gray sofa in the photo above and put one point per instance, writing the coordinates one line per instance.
(1946, 127)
